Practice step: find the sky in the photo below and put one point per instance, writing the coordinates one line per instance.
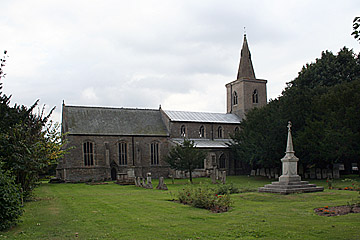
(175, 53)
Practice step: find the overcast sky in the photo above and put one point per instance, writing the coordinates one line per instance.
(143, 53)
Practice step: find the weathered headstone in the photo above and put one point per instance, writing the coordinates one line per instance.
(148, 181)
(318, 173)
(253, 172)
(336, 174)
(213, 177)
(324, 173)
(276, 175)
(162, 185)
(143, 182)
(267, 172)
(257, 172)
(223, 177)
(262, 172)
(312, 173)
(136, 179)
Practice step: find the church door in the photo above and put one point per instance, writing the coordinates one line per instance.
(113, 174)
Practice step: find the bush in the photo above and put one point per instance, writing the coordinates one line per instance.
(204, 196)
(10, 201)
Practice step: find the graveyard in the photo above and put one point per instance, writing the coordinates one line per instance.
(113, 211)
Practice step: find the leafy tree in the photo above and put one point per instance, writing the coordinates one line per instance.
(356, 25)
(185, 157)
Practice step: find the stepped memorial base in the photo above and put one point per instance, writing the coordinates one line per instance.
(290, 187)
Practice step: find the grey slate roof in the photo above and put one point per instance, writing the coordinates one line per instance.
(113, 121)
(206, 143)
(205, 117)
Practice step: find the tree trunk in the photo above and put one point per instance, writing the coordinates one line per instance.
(190, 175)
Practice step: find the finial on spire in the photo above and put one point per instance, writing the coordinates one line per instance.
(289, 126)
(244, 31)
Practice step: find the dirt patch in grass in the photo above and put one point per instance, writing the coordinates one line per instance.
(336, 211)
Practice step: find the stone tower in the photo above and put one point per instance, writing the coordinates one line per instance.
(246, 92)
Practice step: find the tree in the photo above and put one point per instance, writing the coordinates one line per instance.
(185, 157)
(356, 26)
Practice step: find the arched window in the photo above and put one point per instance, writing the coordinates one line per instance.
(220, 132)
(154, 153)
(222, 161)
(202, 132)
(183, 131)
(235, 98)
(237, 129)
(122, 153)
(255, 97)
(88, 151)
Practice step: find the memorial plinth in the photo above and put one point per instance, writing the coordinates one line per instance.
(290, 181)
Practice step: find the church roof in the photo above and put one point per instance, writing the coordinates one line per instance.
(206, 143)
(112, 121)
(246, 69)
(205, 117)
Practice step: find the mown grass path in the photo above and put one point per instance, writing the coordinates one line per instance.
(80, 211)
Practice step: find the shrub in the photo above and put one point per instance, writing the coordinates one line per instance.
(204, 196)
(10, 201)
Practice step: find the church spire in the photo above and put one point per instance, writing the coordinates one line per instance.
(246, 69)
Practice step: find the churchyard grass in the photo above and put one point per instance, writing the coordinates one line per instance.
(80, 211)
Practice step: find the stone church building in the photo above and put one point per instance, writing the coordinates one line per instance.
(105, 142)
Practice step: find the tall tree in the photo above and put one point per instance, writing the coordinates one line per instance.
(185, 157)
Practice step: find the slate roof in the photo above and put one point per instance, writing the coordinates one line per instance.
(205, 117)
(206, 143)
(113, 121)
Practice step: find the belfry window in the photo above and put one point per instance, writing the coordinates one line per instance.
(123, 153)
(235, 98)
(183, 131)
(220, 132)
(154, 152)
(88, 151)
(202, 132)
(255, 98)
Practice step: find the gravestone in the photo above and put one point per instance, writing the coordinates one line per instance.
(253, 172)
(137, 181)
(276, 175)
(213, 177)
(324, 173)
(148, 181)
(312, 173)
(267, 172)
(318, 173)
(290, 181)
(336, 173)
(143, 182)
(262, 172)
(257, 172)
(162, 185)
(223, 177)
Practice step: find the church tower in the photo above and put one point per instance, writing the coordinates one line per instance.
(246, 92)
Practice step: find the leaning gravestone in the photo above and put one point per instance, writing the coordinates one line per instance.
(162, 185)
(290, 181)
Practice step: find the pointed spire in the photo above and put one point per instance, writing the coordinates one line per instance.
(246, 69)
(289, 145)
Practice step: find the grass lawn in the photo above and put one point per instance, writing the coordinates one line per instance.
(60, 211)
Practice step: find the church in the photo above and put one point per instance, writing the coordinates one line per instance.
(105, 142)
